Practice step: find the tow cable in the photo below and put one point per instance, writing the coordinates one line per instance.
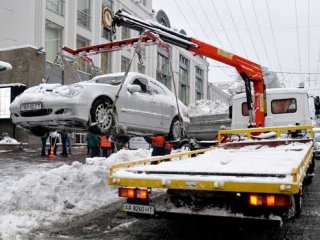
(176, 96)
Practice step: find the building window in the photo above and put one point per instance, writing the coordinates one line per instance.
(105, 33)
(83, 65)
(124, 63)
(141, 68)
(84, 11)
(199, 83)
(106, 62)
(163, 74)
(125, 32)
(184, 84)
(56, 6)
(80, 138)
(53, 40)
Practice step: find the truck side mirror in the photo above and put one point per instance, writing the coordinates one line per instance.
(230, 112)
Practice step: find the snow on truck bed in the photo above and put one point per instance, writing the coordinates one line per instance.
(254, 163)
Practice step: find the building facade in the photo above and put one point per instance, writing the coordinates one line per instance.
(44, 26)
(51, 24)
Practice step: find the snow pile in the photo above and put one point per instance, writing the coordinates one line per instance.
(45, 196)
(8, 140)
(207, 107)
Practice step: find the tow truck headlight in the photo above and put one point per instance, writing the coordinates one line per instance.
(68, 91)
(133, 193)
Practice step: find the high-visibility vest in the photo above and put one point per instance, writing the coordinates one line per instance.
(105, 142)
(158, 141)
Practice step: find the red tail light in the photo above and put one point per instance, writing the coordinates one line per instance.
(269, 200)
(133, 193)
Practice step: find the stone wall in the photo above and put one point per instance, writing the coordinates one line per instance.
(28, 66)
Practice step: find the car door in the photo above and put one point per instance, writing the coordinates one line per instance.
(139, 112)
(164, 106)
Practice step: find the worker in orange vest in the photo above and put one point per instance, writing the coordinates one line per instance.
(169, 146)
(105, 145)
(158, 143)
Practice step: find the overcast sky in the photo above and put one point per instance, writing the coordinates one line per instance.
(281, 35)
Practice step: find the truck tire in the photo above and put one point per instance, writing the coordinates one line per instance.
(185, 146)
(310, 173)
(298, 204)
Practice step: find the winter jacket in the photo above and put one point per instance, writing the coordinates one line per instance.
(105, 143)
(93, 140)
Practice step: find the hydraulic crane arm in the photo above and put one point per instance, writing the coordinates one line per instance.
(148, 38)
(249, 71)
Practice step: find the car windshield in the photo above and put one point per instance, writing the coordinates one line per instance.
(112, 80)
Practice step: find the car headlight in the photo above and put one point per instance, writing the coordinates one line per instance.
(68, 91)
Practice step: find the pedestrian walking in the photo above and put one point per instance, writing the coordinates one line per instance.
(105, 145)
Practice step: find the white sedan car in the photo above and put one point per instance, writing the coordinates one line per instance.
(135, 106)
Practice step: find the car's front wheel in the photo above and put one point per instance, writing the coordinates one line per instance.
(101, 115)
(39, 131)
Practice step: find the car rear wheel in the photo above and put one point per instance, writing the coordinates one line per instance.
(177, 131)
(101, 114)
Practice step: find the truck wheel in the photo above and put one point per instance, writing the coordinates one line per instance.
(310, 173)
(185, 147)
(298, 204)
(101, 115)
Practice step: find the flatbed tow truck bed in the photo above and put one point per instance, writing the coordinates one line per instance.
(278, 166)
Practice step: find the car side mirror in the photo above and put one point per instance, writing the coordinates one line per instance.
(134, 88)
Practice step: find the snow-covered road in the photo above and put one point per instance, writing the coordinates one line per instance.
(36, 192)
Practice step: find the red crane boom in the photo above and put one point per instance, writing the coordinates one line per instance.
(248, 70)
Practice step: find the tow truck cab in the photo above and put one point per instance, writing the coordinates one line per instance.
(284, 107)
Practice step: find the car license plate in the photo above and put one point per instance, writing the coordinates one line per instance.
(137, 208)
(30, 106)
